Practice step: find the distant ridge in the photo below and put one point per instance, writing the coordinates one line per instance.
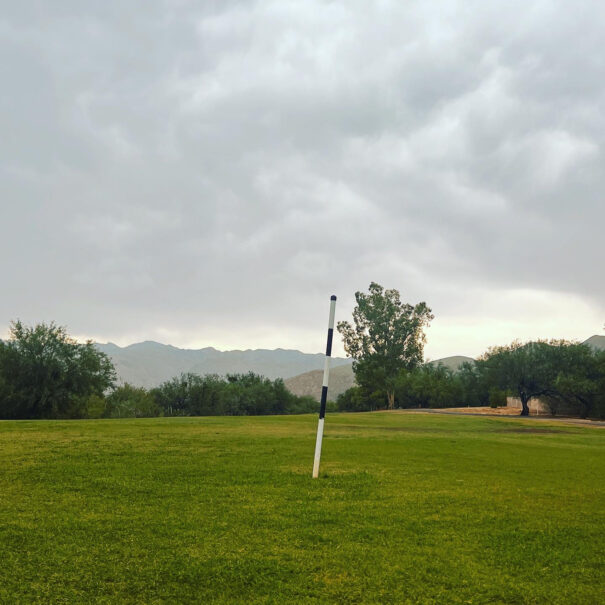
(342, 378)
(453, 363)
(596, 342)
(309, 383)
(148, 364)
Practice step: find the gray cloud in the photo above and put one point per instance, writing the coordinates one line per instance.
(210, 173)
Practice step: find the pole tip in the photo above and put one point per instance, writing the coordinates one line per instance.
(333, 297)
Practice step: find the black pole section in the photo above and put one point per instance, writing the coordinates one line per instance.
(324, 388)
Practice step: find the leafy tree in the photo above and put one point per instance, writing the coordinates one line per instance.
(356, 399)
(532, 369)
(128, 401)
(95, 407)
(497, 398)
(190, 395)
(308, 405)
(428, 386)
(251, 394)
(235, 395)
(387, 336)
(580, 383)
(598, 410)
(46, 374)
(474, 384)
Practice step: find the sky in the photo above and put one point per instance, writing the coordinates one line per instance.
(209, 173)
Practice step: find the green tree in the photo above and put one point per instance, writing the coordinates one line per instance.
(428, 386)
(387, 336)
(533, 369)
(190, 395)
(46, 374)
(95, 407)
(474, 383)
(598, 410)
(579, 385)
(356, 399)
(234, 395)
(128, 401)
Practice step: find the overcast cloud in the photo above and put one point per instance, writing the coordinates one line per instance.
(209, 173)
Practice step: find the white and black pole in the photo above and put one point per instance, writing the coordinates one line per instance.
(324, 389)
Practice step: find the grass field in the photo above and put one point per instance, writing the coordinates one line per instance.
(410, 508)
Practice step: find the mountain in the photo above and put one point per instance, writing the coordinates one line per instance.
(453, 363)
(309, 383)
(596, 342)
(149, 363)
(342, 378)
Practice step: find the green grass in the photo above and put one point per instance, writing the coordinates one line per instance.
(410, 508)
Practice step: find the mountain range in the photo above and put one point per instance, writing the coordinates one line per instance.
(149, 363)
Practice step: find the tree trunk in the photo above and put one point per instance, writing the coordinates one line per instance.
(391, 399)
(524, 401)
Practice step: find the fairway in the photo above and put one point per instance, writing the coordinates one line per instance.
(409, 508)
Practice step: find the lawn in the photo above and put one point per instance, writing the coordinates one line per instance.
(409, 508)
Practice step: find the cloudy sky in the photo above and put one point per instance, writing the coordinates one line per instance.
(209, 173)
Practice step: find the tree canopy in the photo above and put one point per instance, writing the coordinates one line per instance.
(556, 371)
(568, 377)
(46, 374)
(234, 395)
(386, 336)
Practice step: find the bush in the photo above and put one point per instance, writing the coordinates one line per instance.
(131, 402)
(497, 398)
(427, 387)
(236, 395)
(308, 405)
(356, 399)
(95, 407)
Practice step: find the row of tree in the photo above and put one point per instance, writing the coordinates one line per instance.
(209, 395)
(568, 377)
(46, 374)
(426, 386)
(386, 342)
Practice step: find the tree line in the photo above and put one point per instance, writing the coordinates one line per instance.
(44, 373)
(386, 341)
(209, 395)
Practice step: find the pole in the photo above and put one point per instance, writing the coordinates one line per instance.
(324, 389)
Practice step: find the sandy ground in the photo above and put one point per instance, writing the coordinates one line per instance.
(487, 411)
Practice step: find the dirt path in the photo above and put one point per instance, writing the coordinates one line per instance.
(506, 413)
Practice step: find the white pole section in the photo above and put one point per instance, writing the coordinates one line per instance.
(324, 389)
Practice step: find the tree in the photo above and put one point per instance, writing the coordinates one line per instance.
(190, 395)
(428, 386)
(46, 374)
(128, 401)
(474, 384)
(598, 409)
(579, 385)
(387, 337)
(356, 400)
(533, 369)
(234, 395)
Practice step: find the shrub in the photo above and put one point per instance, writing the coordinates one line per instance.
(128, 401)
